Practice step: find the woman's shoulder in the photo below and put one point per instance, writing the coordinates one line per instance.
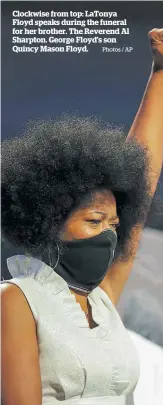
(9, 292)
(20, 293)
(13, 299)
(27, 270)
(33, 281)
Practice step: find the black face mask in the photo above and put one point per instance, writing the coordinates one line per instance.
(85, 262)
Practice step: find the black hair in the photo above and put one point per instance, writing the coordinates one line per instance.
(49, 168)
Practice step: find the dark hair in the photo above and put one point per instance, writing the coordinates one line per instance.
(47, 171)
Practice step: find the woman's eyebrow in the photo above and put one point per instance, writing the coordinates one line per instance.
(114, 218)
(99, 212)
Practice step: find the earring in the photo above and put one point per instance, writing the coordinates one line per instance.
(49, 250)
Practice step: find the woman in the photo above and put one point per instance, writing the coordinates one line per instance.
(75, 195)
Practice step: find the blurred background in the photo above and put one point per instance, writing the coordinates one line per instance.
(103, 84)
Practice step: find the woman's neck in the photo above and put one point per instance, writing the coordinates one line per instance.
(81, 298)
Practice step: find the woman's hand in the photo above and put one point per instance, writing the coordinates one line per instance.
(156, 46)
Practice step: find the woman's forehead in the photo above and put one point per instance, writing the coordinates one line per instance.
(97, 200)
(101, 197)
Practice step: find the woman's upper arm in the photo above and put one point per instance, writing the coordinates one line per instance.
(118, 273)
(21, 380)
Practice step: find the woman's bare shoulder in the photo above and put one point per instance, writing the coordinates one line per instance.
(8, 290)
(12, 295)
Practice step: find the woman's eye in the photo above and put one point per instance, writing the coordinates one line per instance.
(115, 225)
(94, 221)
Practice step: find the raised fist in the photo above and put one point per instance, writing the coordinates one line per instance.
(156, 45)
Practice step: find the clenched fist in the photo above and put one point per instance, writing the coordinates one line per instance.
(156, 45)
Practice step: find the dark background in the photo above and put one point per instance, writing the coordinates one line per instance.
(109, 85)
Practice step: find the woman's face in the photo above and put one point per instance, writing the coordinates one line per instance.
(92, 217)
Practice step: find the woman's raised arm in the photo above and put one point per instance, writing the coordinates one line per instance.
(147, 129)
